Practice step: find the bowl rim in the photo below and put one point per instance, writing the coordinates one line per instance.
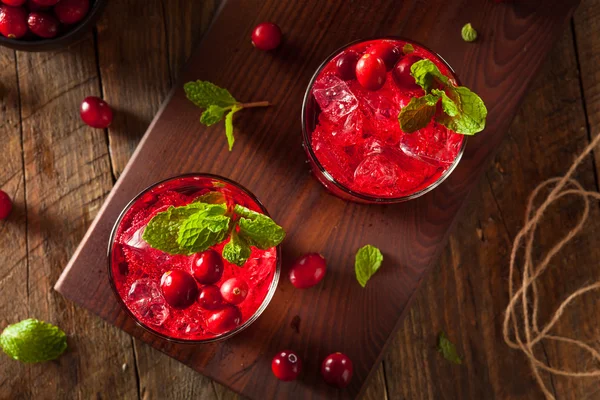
(227, 335)
(361, 197)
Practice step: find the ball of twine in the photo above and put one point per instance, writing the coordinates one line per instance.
(521, 330)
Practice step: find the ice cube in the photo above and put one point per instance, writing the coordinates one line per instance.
(133, 238)
(348, 130)
(143, 292)
(155, 314)
(187, 325)
(260, 266)
(334, 97)
(434, 144)
(376, 173)
(146, 301)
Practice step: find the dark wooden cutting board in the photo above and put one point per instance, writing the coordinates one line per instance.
(336, 315)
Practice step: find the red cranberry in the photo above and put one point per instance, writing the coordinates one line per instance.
(42, 24)
(234, 290)
(179, 288)
(402, 75)
(5, 205)
(45, 3)
(13, 22)
(308, 270)
(346, 65)
(33, 6)
(224, 320)
(71, 11)
(370, 72)
(337, 370)
(210, 298)
(266, 36)
(207, 267)
(95, 112)
(14, 3)
(286, 365)
(388, 52)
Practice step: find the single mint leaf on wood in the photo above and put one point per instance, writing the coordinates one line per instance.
(261, 231)
(205, 94)
(33, 341)
(367, 262)
(468, 33)
(229, 126)
(464, 111)
(162, 231)
(447, 348)
(426, 73)
(408, 48)
(212, 115)
(204, 229)
(237, 251)
(418, 113)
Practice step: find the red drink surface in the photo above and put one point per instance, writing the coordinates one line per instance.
(357, 138)
(137, 268)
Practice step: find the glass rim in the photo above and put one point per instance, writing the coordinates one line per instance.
(327, 175)
(259, 310)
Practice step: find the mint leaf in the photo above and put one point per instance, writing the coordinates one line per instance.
(162, 231)
(367, 262)
(213, 197)
(261, 231)
(418, 113)
(408, 48)
(212, 115)
(448, 106)
(204, 228)
(245, 212)
(205, 94)
(465, 112)
(33, 341)
(237, 251)
(229, 126)
(447, 348)
(426, 73)
(468, 33)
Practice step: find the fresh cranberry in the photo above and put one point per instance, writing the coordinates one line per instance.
(42, 24)
(210, 298)
(346, 65)
(5, 205)
(45, 3)
(33, 6)
(95, 112)
(13, 22)
(370, 72)
(402, 75)
(224, 320)
(388, 52)
(337, 370)
(71, 11)
(207, 267)
(266, 36)
(234, 290)
(308, 270)
(14, 3)
(286, 365)
(179, 288)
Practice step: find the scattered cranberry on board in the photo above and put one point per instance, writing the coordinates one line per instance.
(207, 267)
(179, 288)
(13, 22)
(43, 24)
(234, 290)
(286, 365)
(96, 113)
(224, 320)
(370, 72)
(5, 205)
(337, 370)
(266, 36)
(308, 270)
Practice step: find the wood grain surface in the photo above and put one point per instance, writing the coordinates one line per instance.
(465, 295)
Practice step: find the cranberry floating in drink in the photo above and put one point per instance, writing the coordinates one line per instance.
(188, 259)
(393, 128)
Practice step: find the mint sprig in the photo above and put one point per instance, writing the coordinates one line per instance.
(207, 221)
(448, 349)
(218, 103)
(33, 341)
(367, 262)
(463, 110)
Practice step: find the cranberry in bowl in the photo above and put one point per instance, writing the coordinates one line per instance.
(187, 262)
(383, 121)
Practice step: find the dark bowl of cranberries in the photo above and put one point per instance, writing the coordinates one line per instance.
(42, 25)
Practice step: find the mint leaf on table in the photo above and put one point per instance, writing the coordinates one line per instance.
(218, 103)
(367, 262)
(237, 251)
(447, 349)
(33, 341)
(468, 33)
(464, 111)
(204, 228)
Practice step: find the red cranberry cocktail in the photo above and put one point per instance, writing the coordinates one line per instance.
(197, 297)
(352, 135)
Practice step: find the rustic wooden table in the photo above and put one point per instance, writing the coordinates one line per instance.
(59, 171)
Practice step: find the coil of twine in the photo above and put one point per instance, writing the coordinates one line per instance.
(521, 330)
